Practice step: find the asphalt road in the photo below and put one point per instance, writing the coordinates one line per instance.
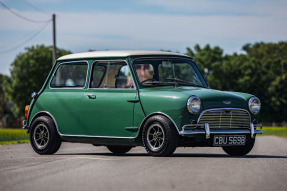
(85, 167)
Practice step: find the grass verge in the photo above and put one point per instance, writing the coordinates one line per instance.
(13, 136)
(274, 131)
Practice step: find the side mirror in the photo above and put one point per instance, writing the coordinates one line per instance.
(34, 94)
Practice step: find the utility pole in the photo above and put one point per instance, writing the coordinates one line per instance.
(54, 39)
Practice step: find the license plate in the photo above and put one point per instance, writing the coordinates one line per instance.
(229, 140)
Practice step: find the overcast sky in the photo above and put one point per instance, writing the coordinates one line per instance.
(140, 24)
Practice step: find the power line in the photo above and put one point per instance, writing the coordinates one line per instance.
(24, 42)
(20, 16)
(35, 8)
(16, 40)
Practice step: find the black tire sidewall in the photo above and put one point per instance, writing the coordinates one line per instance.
(54, 141)
(119, 149)
(171, 136)
(240, 150)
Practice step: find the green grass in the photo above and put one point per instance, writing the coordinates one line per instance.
(13, 136)
(274, 131)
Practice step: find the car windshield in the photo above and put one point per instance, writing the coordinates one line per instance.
(162, 72)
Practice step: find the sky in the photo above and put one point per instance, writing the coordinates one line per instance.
(138, 25)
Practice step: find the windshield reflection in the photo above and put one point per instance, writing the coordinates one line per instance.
(159, 72)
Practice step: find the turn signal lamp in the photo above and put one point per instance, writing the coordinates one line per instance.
(26, 111)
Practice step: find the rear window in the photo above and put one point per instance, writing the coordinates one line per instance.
(70, 75)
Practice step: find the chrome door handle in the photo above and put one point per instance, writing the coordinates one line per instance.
(92, 96)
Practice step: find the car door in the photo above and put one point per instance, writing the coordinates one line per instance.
(109, 101)
(64, 96)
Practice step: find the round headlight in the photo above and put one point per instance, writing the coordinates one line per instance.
(254, 105)
(193, 104)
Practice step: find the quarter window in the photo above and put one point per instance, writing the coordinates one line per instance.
(111, 74)
(70, 75)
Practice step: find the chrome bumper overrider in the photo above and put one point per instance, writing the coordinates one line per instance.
(24, 124)
(192, 129)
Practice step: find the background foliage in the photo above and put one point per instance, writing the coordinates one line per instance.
(28, 73)
(260, 69)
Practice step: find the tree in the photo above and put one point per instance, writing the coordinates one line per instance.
(28, 73)
(4, 107)
(210, 61)
(265, 75)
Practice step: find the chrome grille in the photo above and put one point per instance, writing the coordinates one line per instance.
(225, 118)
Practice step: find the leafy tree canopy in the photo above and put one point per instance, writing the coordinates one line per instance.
(4, 108)
(28, 73)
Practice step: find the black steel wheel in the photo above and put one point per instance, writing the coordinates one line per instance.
(159, 136)
(44, 137)
(240, 150)
(119, 150)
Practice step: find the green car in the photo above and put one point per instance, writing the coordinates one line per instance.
(123, 99)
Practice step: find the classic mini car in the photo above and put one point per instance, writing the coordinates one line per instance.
(123, 99)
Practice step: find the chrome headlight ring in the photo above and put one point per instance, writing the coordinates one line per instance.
(193, 104)
(254, 105)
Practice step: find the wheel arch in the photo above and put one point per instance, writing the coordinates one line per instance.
(44, 113)
(154, 114)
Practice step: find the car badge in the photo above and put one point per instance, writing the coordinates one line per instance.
(227, 102)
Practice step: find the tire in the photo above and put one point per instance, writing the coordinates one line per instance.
(240, 150)
(159, 136)
(44, 138)
(119, 150)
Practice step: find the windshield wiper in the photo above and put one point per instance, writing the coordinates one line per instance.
(153, 82)
(185, 82)
(176, 79)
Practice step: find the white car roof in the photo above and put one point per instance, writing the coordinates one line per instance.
(117, 53)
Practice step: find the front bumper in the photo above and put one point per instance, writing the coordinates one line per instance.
(192, 129)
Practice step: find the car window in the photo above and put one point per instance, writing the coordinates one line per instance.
(163, 71)
(70, 75)
(179, 70)
(97, 76)
(111, 74)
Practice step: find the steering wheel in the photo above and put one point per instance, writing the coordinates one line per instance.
(146, 80)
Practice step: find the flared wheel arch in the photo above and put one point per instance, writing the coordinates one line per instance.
(44, 113)
(138, 137)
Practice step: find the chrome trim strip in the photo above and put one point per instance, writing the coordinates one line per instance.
(191, 126)
(220, 109)
(116, 60)
(218, 131)
(71, 87)
(90, 136)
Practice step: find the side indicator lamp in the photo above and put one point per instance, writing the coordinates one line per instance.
(26, 111)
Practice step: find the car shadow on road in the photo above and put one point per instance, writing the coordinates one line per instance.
(223, 155)
(175, 155)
